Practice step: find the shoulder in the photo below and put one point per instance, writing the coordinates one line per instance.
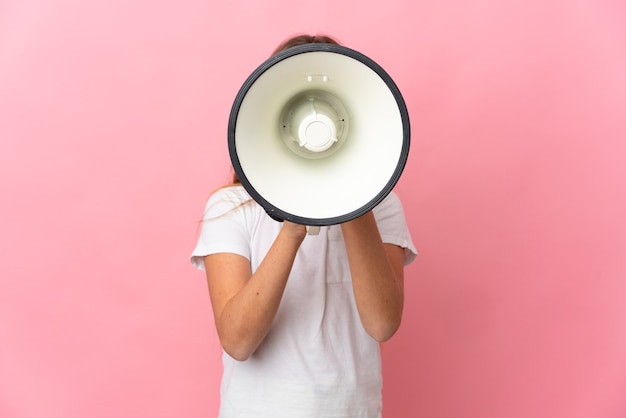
(226, 199)
(389, 206)
(231, 193)
(226, 226)
(393, 227)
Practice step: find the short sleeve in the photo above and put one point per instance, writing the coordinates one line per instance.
(393, 228)
(224, 227)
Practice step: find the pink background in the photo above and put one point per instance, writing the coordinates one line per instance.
(113, 133)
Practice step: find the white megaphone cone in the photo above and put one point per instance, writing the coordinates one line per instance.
(318, 134)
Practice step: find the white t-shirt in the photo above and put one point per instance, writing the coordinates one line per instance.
(316, 360)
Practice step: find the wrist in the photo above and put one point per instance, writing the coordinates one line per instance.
(294, 233)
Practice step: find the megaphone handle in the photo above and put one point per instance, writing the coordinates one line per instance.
(312, 230)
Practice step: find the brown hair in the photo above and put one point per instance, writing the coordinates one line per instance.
(296, 40)
(303, 40)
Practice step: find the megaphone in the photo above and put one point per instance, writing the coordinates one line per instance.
(318, 134)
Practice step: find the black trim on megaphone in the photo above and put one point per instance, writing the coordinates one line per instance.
(277, 213)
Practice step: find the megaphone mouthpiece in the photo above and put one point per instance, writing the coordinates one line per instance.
(316, 121)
